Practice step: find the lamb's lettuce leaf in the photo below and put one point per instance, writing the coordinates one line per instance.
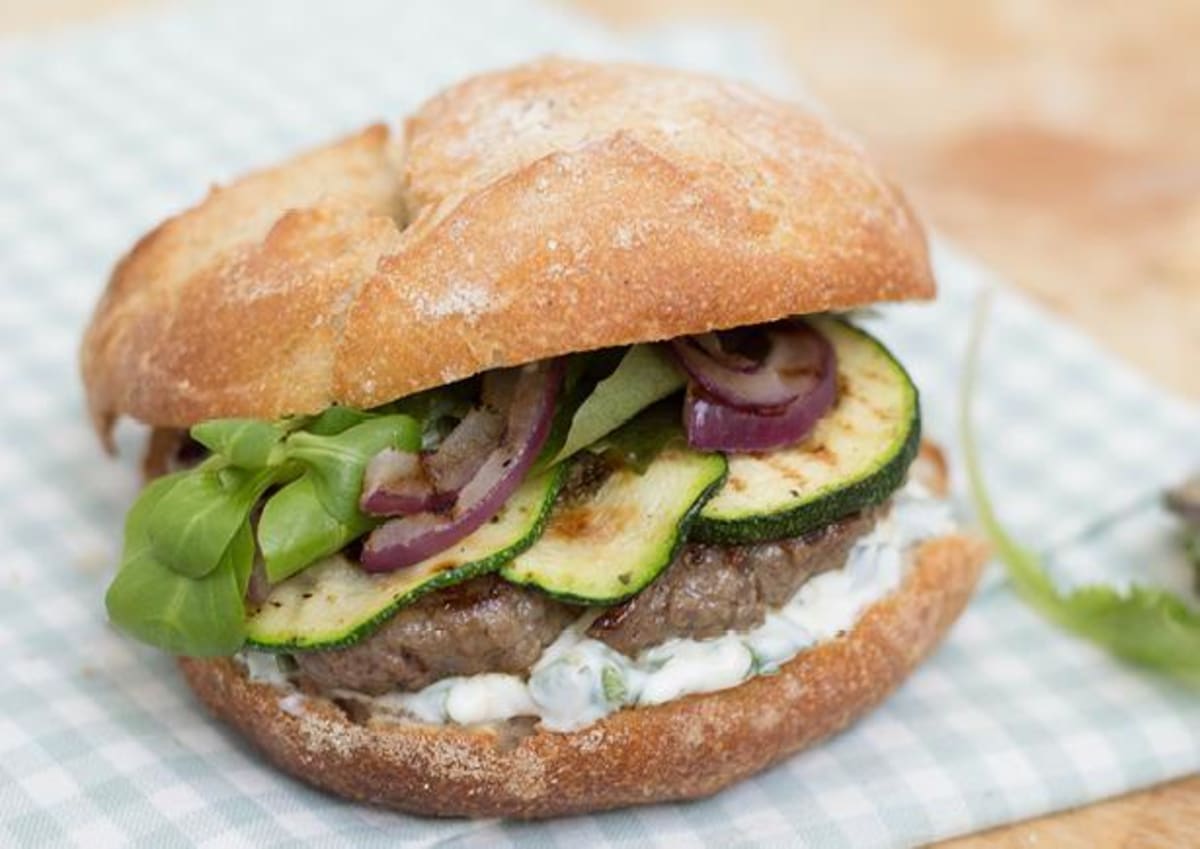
(193, 522)
(246, 443)
(295, 531)
(189, 545)
(335, 464)
(202, 616)
(336, 419)
(1144, 625)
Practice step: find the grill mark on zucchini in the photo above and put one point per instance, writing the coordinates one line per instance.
(608, 547)
(335, 603)
(857, 456)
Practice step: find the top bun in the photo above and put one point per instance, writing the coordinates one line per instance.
(553, 207)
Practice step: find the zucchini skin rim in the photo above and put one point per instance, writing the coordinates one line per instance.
(492, 563)
(823, 510)
(814, 515)
(682, 537)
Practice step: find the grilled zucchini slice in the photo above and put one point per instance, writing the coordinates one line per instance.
(605, 547)
(335, 603)
(857, 456)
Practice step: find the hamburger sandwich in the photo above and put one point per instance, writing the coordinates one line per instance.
(534, 462)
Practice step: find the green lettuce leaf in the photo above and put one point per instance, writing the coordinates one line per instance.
(199, 617)
(636, 443)
(295, 531)
(643, 376)
(337, 419)
(246, 443)
(335, 464)
(1144, 625)
(192, 523)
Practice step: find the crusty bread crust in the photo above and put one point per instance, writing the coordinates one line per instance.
(553, 207)
(683, 749)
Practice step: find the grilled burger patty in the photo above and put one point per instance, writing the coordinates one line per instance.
(489, 625)
(711, 589)
(483, 625)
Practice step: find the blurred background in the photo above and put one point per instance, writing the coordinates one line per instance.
(1057, 141)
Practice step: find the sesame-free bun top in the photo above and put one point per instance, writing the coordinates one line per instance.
(553, 207)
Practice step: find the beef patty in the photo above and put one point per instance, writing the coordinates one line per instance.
(482, 625)
(711, 589)
(489, 625)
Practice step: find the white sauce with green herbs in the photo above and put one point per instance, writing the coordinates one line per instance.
(579, 680)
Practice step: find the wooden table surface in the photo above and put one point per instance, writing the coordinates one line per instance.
(1058, 141)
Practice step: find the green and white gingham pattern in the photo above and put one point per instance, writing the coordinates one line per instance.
(105, 130)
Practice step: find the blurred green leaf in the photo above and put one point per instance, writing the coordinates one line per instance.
(246, 443)
(636, 443)
(1144, 625)
(337, 419)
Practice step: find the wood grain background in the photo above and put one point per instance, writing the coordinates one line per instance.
(1058, 141)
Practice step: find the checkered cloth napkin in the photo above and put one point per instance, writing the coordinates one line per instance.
(105, 130)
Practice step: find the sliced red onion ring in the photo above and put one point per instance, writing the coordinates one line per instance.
(464, 450)
(710, 343)
(396, 484)
(410, 539)
(713, 425)
(789, 370)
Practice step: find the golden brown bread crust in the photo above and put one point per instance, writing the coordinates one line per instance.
(683, 749)
(553, 207)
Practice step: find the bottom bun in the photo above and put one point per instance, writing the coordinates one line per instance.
(683, 749)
